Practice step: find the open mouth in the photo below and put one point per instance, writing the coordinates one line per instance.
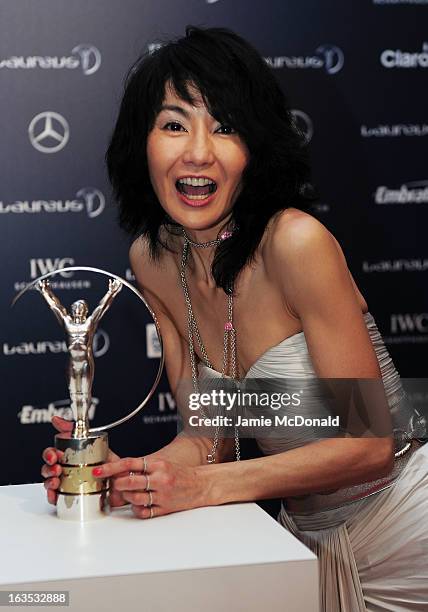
(196, 188)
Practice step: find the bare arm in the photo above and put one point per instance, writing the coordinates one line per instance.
(55, 305)
(114, 286)
(305, 261)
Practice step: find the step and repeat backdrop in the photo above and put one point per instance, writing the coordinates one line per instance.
(356, 75)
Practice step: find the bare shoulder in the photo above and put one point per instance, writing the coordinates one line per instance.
(155, 276)
(149, 271)
(140, 259)
(295, 236)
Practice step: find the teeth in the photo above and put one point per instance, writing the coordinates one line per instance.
(197, 197)
(196, 182)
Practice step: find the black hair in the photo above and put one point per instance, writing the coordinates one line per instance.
(238, 89)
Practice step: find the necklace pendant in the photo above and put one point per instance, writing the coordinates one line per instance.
(210, 458)
(228, 326)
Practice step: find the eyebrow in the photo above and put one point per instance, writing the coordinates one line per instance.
(177, 109)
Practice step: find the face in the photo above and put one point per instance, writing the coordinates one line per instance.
(195, 163)
(79, 310)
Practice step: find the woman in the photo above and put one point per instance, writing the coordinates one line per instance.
(210, 171)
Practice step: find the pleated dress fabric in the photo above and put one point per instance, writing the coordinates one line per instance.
(373, 552)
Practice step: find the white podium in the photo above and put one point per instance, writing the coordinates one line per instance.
(232, 557)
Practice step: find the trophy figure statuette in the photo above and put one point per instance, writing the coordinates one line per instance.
(82, 497)
(79, 492)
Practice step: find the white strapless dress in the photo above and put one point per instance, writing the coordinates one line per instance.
(372, 552)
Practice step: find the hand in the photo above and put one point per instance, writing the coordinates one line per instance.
(43, 285)
(52, 470)
(173, 487)
(114, 285)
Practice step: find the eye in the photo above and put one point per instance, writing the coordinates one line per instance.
(226, 129)
(173, 126)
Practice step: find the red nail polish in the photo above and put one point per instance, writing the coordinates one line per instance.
(49, 457)
(97, 471)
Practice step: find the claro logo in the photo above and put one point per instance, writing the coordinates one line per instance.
(396, 58)
(88, 199)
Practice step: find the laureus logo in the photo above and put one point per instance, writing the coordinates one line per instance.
(303, 123)
(101, 343)
(94, 201)
(100, 346)
(87, 199)
(90, 58)
(86, 56)
(48, 132)
(333, 58)
(329, 57)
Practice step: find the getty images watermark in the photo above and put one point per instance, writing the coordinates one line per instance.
(309, 408)
(229, 401)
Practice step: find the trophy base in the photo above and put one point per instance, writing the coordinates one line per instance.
(81, 496)
(82, 507)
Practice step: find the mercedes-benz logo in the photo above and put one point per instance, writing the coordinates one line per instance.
(48, 132)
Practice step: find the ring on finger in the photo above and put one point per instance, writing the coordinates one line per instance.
(144, 465)
(152, 512)
(147, 482)
(150, 504)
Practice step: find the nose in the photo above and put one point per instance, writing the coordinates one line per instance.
(199, 149)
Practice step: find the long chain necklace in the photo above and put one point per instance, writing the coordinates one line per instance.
(229, 339)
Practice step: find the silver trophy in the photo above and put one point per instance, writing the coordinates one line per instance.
(81, 496)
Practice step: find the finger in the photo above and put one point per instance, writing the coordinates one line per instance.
(51, 483)
(148, 513)
(116, 499)
(48, 471)
(129, 464)
(133, 482)
(61, 424)
(138, 498)
(52, 496)
(51, 455)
